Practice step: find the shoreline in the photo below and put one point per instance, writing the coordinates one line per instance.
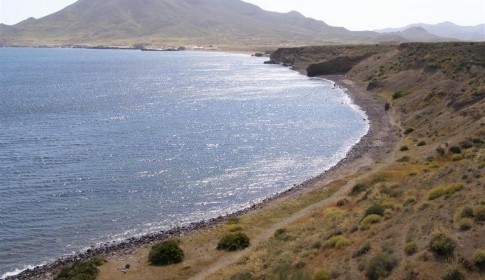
(368, 150)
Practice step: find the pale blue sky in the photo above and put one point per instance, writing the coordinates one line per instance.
(352, 14)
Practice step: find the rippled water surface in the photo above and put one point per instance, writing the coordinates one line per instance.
(103, 145)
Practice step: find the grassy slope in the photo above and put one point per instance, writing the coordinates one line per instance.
(442, 89)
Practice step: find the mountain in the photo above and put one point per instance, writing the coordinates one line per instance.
(419, 34)
(162, 21)
(446, 30)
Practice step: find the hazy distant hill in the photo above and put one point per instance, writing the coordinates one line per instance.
(216, 21)
(447, 30)
(419, 34)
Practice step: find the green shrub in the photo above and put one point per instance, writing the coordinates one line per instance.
(440, 150)
(421, 143)
(409, 200)
(166, 253)
(410, 248)
(362, 250)
(321, 274)
(360, 187)
(479, 213)
(376, 209)
(481, 165)
(444, 190)
(281, 234)
(233, 242)
(398, 94)
(442, 245)
(455, 150)
(338, 242)
(81, 270)
(465, 212)
(380, 266)
(371, 219)
(453, 274)
(465, 224)
(409, 131)
(457, 157)
(404, 159)
(479, 259)
(404, 148)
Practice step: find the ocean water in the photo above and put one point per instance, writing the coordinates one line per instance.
(104, 145)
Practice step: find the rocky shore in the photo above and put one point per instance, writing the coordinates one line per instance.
(378, 141)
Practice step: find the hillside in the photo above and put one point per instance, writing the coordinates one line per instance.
(446, 30)
(407, 203)
(156, 22)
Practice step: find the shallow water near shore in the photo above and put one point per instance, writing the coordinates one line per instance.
(103, 145)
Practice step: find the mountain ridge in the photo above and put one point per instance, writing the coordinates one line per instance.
(446, 29)
(159, 21)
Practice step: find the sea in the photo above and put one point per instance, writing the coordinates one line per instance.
(103, 145)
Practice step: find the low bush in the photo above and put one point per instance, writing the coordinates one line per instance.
(479, 259)
(455, 150)
(233, 242)
(398, 94)
(321, 274)
(362, 250)
(453, 274)
(380, 266)
(465, 224)
(166, 253)
(465, 212)
(370, 220)
(409, 200)
(338, 242)
(376, 209)
(404, 148)
(438, 192)
(421, 143)
(360, 187)
(442, 245)
(457, 157)
(409, 131)
(281, 234)
(440, 150)
(479, 213)
(233, 221)
(410, 248)
(234, 228)
(81, 270)
(342, 202)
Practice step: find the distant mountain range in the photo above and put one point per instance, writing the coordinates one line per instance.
(162, 22)
(444, 30)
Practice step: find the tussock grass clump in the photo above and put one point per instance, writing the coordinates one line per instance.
(410, 248)
(321, 274)
(457, 157)
(444, 190)
(81, 270)
(359, 188)
(281, 234)
(370, 220)
(166, 253)
(404, 148)
(455, 150)
(362, 250)
(233, 242)
(380, 266)
(410, 200)
(421, 143)
(442, 245)
(408, 131)
(465, 224)
(234, 228)
(479, 213)
(338, 242)
(453, 274)
(233, 221)
(376, 209)
(479, 259)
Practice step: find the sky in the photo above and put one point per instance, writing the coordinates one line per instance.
(351, 14)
